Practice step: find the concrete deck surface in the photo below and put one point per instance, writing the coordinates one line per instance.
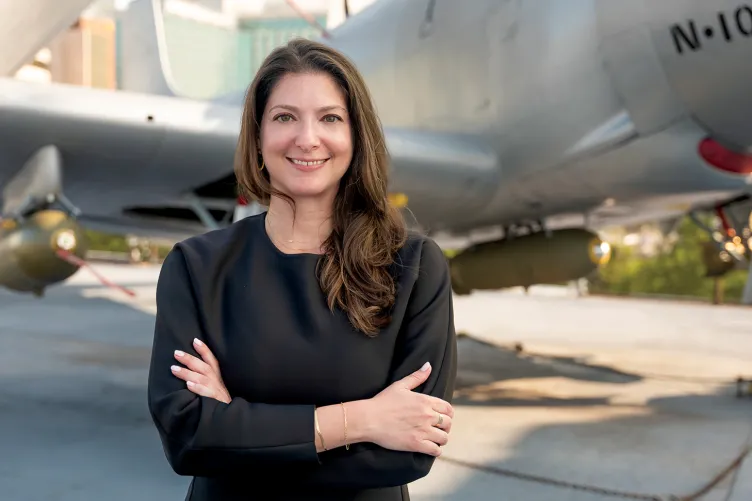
(623, 394)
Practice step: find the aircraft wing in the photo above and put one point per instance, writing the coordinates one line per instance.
(163, 166)
(122, 151)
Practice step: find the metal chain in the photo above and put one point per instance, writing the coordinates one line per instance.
(595, 489)
(553, 482)
(732, 467)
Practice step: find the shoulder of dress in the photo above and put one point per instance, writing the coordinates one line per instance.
(216, 244)
(421, 247)
(422, 269)
(420, 253)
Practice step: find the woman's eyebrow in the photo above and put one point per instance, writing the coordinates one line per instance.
(295, 109)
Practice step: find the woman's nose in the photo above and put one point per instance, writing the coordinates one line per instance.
(307, 138)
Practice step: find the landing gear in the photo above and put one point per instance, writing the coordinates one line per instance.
(202, 212)
(747, 293)
(731, 244)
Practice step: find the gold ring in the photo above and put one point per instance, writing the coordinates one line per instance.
(441, 420)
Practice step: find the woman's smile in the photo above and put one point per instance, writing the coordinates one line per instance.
(307, 165)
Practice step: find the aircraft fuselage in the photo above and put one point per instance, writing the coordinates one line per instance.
(579, 113)
(594, 109)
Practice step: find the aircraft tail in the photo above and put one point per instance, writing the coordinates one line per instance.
(145, 65)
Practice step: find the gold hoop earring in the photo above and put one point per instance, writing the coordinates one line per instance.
(262, 165)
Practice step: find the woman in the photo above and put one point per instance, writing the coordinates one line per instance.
(312, 346)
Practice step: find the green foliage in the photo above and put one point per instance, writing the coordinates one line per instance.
(106, 242)
(679, 271)
(99, 241)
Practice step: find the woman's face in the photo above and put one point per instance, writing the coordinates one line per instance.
(306, 141)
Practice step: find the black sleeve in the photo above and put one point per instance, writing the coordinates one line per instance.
(427, 335)
(202, 436)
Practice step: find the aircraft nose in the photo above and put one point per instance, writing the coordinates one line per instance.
(705, 49)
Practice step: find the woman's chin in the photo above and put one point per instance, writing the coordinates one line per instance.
(309, 190)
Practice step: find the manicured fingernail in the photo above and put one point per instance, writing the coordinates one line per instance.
(197, 342)
(190, 383)
(179, 353)
(175, 368)
(425, 367)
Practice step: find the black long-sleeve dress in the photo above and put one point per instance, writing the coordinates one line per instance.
(282, 352)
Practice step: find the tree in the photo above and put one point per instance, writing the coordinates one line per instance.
(678, 271)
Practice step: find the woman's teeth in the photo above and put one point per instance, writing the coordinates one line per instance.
(302, 162)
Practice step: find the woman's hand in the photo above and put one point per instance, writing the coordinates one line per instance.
(404, 420)
(202, 376)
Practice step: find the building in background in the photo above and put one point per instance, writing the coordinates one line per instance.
(214, 53)
(85, 54)
(214, 47)
(206, 52)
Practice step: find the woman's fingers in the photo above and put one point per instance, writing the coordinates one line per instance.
(440, 405)
(200, 389)
(430, 448)
(445, 423)
(193, 363)
(187, 374)
(438, 436)
(197, 383)
(206, 354)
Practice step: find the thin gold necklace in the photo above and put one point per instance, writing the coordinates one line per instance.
(270, 232)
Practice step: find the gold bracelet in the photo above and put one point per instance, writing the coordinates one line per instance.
(344, 413)
(318, 430)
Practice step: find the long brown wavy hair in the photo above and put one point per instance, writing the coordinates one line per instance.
(355, 271)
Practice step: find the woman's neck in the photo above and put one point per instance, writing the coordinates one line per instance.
(305, 230)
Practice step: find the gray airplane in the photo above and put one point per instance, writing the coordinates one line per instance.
(533, 123)
(27, 25)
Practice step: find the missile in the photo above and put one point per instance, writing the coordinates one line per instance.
(41, 241)
(541, 258)
(32, 250)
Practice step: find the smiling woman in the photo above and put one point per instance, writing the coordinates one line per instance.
(312, 347)
(305, 137)
(308, 103)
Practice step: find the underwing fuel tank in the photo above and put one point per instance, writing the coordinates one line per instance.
(561, 256)
(29, 250)
(673, 59)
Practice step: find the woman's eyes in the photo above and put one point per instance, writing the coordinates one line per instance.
(328, 118)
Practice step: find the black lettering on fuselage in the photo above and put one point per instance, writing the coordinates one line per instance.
(733, 26)
(689, 37)
(743, 17)
(724, 26)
